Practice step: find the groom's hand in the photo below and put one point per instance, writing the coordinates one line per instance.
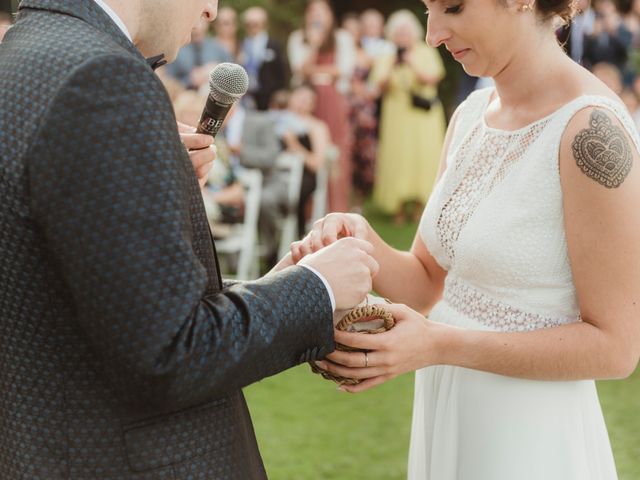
(202, 151)
(348, 267)
(328, 230)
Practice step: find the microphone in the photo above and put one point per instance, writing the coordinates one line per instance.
(228, 82)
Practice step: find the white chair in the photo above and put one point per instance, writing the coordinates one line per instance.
(294, 165)
(243, 238)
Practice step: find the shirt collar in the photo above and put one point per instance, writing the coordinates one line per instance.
(114, 16)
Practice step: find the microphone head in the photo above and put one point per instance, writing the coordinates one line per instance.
(228, 82)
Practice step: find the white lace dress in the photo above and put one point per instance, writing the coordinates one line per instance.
(495, 223)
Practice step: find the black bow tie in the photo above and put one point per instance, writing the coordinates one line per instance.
(157, 61)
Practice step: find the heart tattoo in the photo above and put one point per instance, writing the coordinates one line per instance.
(602, 151)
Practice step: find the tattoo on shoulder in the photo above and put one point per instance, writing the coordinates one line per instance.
(602, 151)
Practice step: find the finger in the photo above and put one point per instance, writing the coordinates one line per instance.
(296, 253)
(330, 228)
(315, 240)
(358, 243)
(361, 341)
(202, 157)
(372, 265)
(359, 230)
(196, 141)
(366, 384)
(355, 359)
(305, 248)
(203, 171)
(355, 373)
(184, 128)
(397, 310)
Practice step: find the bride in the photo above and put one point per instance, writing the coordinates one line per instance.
(527, 260)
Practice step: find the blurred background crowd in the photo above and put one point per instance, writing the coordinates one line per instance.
(345, 107)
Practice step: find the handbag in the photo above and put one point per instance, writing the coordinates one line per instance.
(423, 103)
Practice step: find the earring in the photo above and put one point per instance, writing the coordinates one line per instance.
(526, 8)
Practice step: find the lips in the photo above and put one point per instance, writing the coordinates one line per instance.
(459, 53)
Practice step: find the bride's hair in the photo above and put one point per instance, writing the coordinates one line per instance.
(563, 9)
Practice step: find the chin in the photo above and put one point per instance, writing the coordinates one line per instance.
(475, 70)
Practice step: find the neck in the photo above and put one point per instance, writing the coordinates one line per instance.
(129, 13)
(527, 77)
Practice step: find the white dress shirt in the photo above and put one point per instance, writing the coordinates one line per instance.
(114, 16)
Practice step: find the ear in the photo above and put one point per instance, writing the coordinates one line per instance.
(210, 11)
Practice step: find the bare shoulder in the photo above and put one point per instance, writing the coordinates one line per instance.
(596, 146)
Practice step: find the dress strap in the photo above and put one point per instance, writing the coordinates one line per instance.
(468, 115)
(562, 119)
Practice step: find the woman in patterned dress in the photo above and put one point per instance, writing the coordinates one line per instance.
(527, 261)
(323, 56)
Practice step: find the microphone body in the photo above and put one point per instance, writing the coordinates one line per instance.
(213, 117)
(228, 82)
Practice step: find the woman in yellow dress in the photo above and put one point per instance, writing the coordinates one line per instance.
(412, 123)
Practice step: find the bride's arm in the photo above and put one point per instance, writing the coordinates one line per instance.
(413, 278)
(603, 239)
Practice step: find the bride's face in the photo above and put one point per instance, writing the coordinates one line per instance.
(483, 35)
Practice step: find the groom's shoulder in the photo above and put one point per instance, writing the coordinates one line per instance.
(45, 47)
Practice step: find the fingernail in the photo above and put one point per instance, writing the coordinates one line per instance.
(342, 388)
(322, 365)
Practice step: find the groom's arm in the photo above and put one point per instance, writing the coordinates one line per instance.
(111, 188)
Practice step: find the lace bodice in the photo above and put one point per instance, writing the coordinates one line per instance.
(495, 219)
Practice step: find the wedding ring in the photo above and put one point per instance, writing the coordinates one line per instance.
(366, 359)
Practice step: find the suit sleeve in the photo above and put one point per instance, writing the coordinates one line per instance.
(112, 191)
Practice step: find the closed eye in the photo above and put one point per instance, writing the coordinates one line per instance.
(450, 10)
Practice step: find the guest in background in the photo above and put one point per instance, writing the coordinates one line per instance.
(632, 103)
(351, 23)
(263, 58)
(610, 40)
(412, 124)
(610, 76)
(226, 28)
(195, 61)
(632, 22)
(222, 193)
(372, 36)
(303, 134)
(324, 56)
(252, 140)
(572, 35)
(172, 85)
(364, 117)
(5, 22)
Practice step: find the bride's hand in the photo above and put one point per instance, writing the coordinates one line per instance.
(413, 343)
(328, 230)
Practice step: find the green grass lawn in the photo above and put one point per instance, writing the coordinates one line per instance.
(307, 430)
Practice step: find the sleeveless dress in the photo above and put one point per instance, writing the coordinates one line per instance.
(495, 223)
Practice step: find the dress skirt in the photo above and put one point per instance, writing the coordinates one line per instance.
(472, 425)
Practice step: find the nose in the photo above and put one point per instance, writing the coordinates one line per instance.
(437, 33)
(210, 11)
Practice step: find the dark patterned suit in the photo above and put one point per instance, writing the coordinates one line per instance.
(122, 353)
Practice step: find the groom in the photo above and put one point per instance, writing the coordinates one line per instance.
(122, 352)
